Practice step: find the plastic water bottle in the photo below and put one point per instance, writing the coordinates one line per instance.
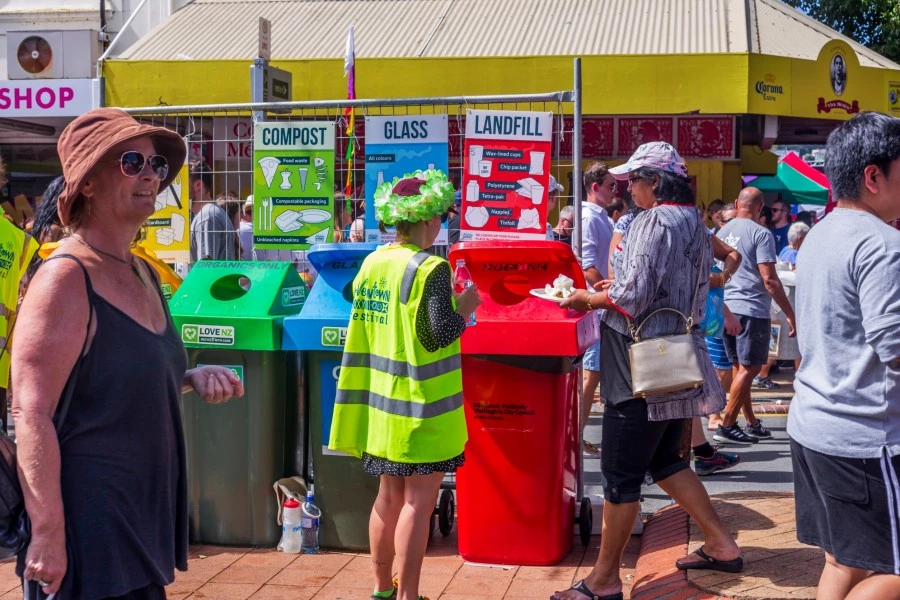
(464, 281)
(290, 527)
(309, 525)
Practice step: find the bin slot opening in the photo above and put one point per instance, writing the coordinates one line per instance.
(230, 287)
(511, 290)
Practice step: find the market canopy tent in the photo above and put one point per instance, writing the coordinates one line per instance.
(796, 181)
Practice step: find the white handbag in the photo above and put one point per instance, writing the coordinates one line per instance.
(667, 363)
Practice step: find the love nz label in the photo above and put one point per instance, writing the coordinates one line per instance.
(335, 337)
(211, 335)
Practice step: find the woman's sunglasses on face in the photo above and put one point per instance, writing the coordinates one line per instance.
(133, 162)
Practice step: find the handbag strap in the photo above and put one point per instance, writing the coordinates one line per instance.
(688, 320)
(65, 399)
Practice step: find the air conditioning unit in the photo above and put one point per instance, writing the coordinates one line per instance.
(52, 54)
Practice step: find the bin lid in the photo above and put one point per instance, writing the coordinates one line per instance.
(322, 324)
(510, 320)
(236, 304)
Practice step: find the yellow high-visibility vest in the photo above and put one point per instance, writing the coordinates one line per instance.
(395, 399)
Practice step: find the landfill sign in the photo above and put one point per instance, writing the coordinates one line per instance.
(399, 145)
(506, 175)
(168, 229)
(293, 184)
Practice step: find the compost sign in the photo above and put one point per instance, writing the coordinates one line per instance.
(293, 184)
(506, 175)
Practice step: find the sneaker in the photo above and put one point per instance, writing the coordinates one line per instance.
(764, 383)
(589, 448)
(717, 462)
(734, 435)
(758, 430)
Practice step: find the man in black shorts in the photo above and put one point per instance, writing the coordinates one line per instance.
(748, 294)
(844, 421)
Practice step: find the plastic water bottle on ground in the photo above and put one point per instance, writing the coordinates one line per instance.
(290, 527)
(309, 525)
(464, 281)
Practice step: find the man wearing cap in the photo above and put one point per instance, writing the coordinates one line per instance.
(596, 233)
(245, 229)
(552, 196)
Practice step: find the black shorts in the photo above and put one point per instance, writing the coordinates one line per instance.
(845, 508)
(751, 346)
(632, 446)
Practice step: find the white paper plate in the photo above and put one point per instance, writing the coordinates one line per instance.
(543, 295)
(314, 216)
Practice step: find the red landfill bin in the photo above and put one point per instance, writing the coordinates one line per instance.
(516, 492)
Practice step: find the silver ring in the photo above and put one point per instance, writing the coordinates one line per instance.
(42, 583)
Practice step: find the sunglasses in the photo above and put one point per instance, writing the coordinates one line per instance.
(133, 162)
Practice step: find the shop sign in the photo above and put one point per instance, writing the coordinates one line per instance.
(48, 97)
(232, 139)
(293, 184)
(827, 107)
(506, 175)
(768, 88)
(893, 96)
(835, 56)
(399, 145)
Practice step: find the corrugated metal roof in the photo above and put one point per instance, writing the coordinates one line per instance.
(784, 31)
(227, 29)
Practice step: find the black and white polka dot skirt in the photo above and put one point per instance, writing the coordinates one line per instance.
(376, 466)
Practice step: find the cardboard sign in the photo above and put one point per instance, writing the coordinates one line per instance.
(168, 229)
(293, 184)
(506, 175)
(399, 145)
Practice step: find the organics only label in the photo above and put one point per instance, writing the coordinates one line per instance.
(293, 184)
(334, 336)
(236, 369)
(506, 175)
(210, 335)
(399, 145)
(168, 229)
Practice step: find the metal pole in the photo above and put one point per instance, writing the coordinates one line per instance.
(576, 246)
(576, 159)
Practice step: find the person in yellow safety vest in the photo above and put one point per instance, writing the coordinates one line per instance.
(399, 399)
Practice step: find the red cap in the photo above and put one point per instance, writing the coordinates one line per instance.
(291, 503)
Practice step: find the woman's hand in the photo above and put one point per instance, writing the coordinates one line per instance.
(214, 384)
(467, 300)
(578, 300)
(732, 324)
(45, 560)
(602, 286)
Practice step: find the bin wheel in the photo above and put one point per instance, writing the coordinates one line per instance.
(446, 512)
(585, 522)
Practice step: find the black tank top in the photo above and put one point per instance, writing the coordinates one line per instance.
(123, 469)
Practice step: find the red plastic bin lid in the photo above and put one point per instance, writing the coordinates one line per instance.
(510, 320)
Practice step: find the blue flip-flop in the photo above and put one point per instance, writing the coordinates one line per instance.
(581, 588)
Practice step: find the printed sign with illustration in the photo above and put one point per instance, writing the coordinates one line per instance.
(893, 97)
(293, 184)
(399, 145)
(506, 175)
(168, 229)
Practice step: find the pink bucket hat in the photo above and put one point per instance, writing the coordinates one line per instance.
(654, 155)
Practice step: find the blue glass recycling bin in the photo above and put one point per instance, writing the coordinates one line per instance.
(344, 492)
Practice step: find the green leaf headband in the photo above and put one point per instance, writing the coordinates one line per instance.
(435, 197)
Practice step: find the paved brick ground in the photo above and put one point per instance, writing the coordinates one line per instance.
(776, 565)
(217, 573)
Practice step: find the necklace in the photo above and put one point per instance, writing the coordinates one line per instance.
(130, 263)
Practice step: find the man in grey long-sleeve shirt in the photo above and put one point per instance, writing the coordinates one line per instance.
(844, 421)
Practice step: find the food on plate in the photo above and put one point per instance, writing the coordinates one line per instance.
(561, 288)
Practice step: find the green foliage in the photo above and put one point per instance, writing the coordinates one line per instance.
(873, 23)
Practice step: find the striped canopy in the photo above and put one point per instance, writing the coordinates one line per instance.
(796, 181)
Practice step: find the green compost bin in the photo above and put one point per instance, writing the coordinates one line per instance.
(231, 314)
(344, 491)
